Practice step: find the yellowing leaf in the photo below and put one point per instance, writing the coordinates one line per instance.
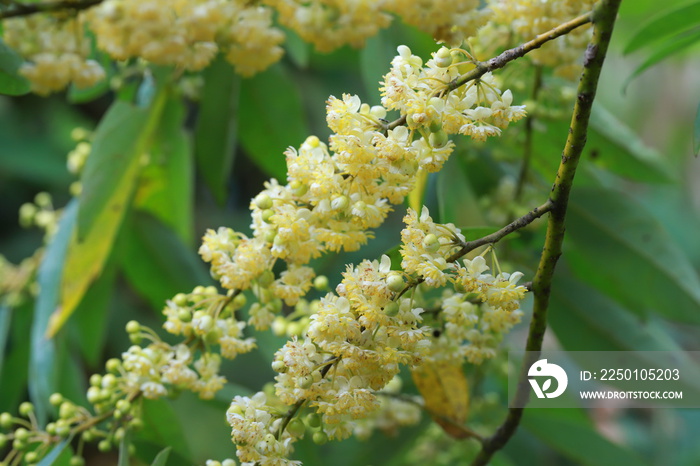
(110, 173)
(446, 393)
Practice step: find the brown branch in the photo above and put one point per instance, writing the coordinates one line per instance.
(467, 246)
(529, 123)
(508, 56)
(496, 236)
(604, 20)
(28, 9)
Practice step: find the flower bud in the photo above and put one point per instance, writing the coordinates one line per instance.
(263, 201)
(296, 427)
(279, 366)
(266, 278)
(55, 399)
(321, 283)
(395, 282)
(313, 420)
(443, 57)
(431, 243)
(391, 309)
(267, 215)
(439, 139)
(320, 437)
(26, 408)
(133, 327)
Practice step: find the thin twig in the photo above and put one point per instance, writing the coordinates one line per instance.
(604, 20)
(527, 149)
(496, 236)
(467, 246)
(28, 9)
(465, 431)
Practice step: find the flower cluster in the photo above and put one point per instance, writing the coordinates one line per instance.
(329, 24)
(485, 307)
(188, 34)
(204, 318)
(337, 193)
(479, 109)
(425, 246)
(184, 34)
(255, 430)
(57, 51)
(446, 21)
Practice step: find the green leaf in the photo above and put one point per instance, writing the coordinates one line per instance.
(14, 375)
(618, 248)
(216, 132)
(665, 50)
(696, 133)
(110, 170)
(162, 457)
(585, 320)
(91, 315)
(610, 144)
(11, 83)
(375, 58)
(566, 432)
(274, 119)
(165, 428)
(665, 24)
(622, 151)
(42, 365)
(456, 200)
(166, 184)
(5, 319)
(109, 178)
(297, 49)
(157, 263)
(53, 456)
(124, 450)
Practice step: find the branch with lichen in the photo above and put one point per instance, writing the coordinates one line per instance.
(18, 9)
(603, 19)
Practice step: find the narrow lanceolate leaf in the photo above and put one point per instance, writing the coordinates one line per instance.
(274, 119)
(124, 450)
(696, 133)
(577, 439)
(666, 49)
(445, 390)
(5, 319)
(215, 135)
(621, 250)
(157, 263)
(42, 364)
(456, 200)
(166, 184)
(11, 83)
(374, 57)
(109, 178)
(120, 141)
(53, 455)
(585, 320)
(665, 24)
(161, 458)
(622, 151)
